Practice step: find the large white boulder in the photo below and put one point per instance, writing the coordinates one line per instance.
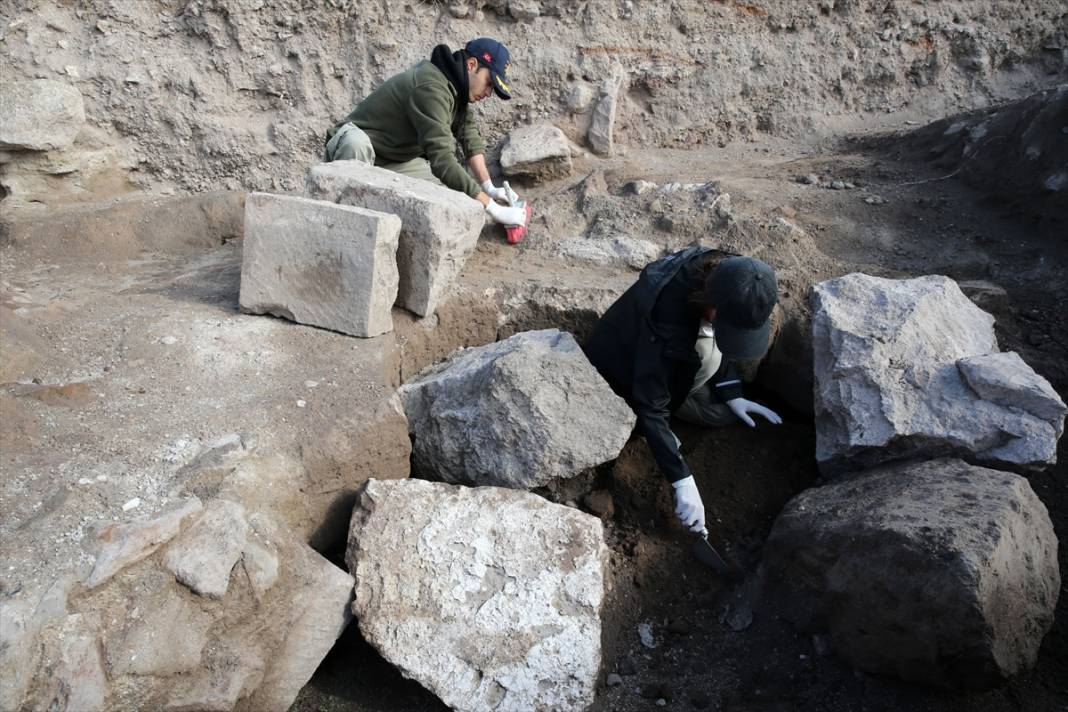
(516, 413)
(938, 572)
(908, 368)
(539, 152)
(439, 226)
(320, 263)
(489, 598)
(39, 115)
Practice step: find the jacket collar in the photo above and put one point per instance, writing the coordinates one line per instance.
(451, 64)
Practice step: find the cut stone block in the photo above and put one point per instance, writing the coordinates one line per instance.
(319, 263)
(537, 152)
(937, 572)
(489, 598)
(39, 115)
(439, 226)
(204, 555)
(910, 368)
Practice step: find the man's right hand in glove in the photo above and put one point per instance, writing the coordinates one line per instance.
(688, 505)
(509, 217)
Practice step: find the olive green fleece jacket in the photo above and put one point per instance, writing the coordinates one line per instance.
(413, 114)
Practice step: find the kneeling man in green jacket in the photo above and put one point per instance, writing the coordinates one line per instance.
(412, 122)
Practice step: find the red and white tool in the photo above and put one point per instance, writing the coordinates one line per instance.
(516, 233)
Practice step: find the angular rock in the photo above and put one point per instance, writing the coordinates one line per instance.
(888, 383)
(538, 152)
(1005, 379)
(319, 263)
(626, 251)
(516, 413)
(76, 680)
(489, 598)
(125, 544)
(439, 227)
(167, 637)
(938, 572)
(261, 566)
(204, 555)
(39, 115)
(603, 123)
(317, 597)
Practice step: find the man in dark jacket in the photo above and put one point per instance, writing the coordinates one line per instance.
(667, 344)
(412, 123)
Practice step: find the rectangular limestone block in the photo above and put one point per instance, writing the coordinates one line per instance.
(439, 226)
(320, 263)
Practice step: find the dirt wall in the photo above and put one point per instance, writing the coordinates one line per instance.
(211, 94)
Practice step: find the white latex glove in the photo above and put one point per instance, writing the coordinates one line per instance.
(509, 217)
(742, 408)
(688, 505)
(493, 191)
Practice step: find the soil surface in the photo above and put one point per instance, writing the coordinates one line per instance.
(717, 646)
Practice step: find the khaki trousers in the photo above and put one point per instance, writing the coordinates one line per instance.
(350, 143)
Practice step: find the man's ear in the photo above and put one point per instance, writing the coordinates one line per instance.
(472, 64)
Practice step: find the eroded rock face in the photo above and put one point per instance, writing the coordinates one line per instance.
(538, 152)
(907, 368)
(439, 227)
(320, 263)
(488, 597)
(938, 572)
(516, 413)
(39, 115)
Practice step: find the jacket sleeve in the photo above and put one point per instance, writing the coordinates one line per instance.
(470, 139)
(431, 114)
(651, 400)
(726, 383)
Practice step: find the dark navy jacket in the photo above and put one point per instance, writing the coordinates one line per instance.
(644, 347)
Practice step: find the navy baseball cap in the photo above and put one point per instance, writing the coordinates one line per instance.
(494, 56)
(744, 292)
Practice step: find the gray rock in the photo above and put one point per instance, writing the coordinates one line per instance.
(516, 413)
(320, 263)
(538, 153)
(261, 566)
(1004, 379)
(125, 544)
(986, 295)
(603, 123)
(488, 597)
(639, 187)
(937, 572)
(39, 115)
(887, 383)
(439, 227)
(524, 10)
(204, 555)
(624, 251)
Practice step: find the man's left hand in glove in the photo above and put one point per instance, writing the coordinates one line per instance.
(742, 408)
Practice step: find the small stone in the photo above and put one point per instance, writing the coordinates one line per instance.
(837, 185)
(613, 680)
(811, 179)
(645, 635)
(168, 341)
(639, 187)
(661, 702)
(301, 403)
(131, 504)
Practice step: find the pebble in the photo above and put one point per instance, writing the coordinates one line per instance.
(311, 384)
(168, 341)
(301, 403)
(645, 634)
(837, 185)
(661, 702)
(613, 680)
(811, 179)
(875, 200)
(132, 504)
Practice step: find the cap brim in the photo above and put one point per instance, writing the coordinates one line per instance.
(741, 344)
(500, 86)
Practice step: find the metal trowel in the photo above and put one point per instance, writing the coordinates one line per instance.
(707, 555)
(516, 233)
